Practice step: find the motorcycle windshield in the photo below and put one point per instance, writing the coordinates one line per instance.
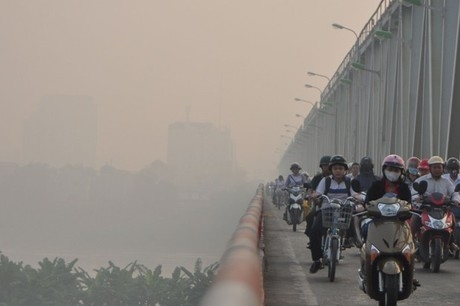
(437, 213)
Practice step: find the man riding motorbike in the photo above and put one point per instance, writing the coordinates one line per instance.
(339, 189)
(436, 182)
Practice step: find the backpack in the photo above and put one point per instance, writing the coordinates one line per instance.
(328, 185)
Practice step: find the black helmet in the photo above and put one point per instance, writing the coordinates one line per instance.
(295, 166)
(452, 164)
(324, 161)
(366, 165)
(338, 160)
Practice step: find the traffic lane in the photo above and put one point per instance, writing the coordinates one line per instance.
(435, 288)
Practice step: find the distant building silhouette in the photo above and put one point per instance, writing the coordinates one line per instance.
(200, 152)
(62, 130)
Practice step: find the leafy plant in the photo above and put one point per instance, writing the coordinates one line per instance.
(57, 283)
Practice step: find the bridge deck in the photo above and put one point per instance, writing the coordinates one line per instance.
(285, 279)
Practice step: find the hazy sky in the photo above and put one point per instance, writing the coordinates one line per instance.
(235, 63)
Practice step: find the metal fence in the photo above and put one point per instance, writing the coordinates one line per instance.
(396, 91)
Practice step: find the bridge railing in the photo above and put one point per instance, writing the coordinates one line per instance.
(239, 280)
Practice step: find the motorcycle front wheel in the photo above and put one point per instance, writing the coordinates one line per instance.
(295, 217)
(436, 254)
(334, 248)
(390, 296)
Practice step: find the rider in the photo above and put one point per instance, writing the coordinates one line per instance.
(366, 174)
(324, 166)
(279, 184)
(423, 167)
(452, 167)
(339, 189)
(354, 170)
(412, 170)
(307, 176)
(436, 182)
(391, 182)
(294, 179)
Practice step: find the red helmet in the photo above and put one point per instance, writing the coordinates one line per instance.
(393, 160)
(424, 164)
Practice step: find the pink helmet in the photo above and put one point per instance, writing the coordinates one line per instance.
(393, 160)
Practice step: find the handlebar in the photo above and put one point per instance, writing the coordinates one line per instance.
(338, 201)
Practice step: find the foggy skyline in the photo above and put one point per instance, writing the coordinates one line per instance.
(236, 64)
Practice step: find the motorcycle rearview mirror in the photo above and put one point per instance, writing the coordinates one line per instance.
(457, 187)
(420, 187)
(356, 186)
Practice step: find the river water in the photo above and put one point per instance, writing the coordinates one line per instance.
(171, 235)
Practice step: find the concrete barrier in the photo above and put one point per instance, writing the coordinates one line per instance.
(239, 280)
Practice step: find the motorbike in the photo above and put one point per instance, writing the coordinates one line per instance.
(336, 217)
(294, 209)
(387, 255)
(436, 229)
(279, 198)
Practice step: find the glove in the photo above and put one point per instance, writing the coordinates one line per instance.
(359, 208)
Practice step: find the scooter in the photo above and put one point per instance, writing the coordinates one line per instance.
(387, 255)
(279, 198)
(294, 210)
(436, 229)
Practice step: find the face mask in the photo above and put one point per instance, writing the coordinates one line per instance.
(392, 176)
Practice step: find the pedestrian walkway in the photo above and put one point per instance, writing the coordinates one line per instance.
(285, 279)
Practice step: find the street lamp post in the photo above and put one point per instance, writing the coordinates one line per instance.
(311, 86)
(320, 75)
(284, 136)
(341, 27)
(289, 125)
(304, 101)
(300, 116)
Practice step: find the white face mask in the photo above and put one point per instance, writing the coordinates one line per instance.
(392, 176)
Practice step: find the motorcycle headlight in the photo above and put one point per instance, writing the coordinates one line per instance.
(438, 224)
(388, 210)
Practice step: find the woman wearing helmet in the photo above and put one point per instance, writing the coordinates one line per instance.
(391, 182)
(295, 178)
(412, 170)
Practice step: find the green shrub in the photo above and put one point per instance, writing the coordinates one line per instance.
(55, 283)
